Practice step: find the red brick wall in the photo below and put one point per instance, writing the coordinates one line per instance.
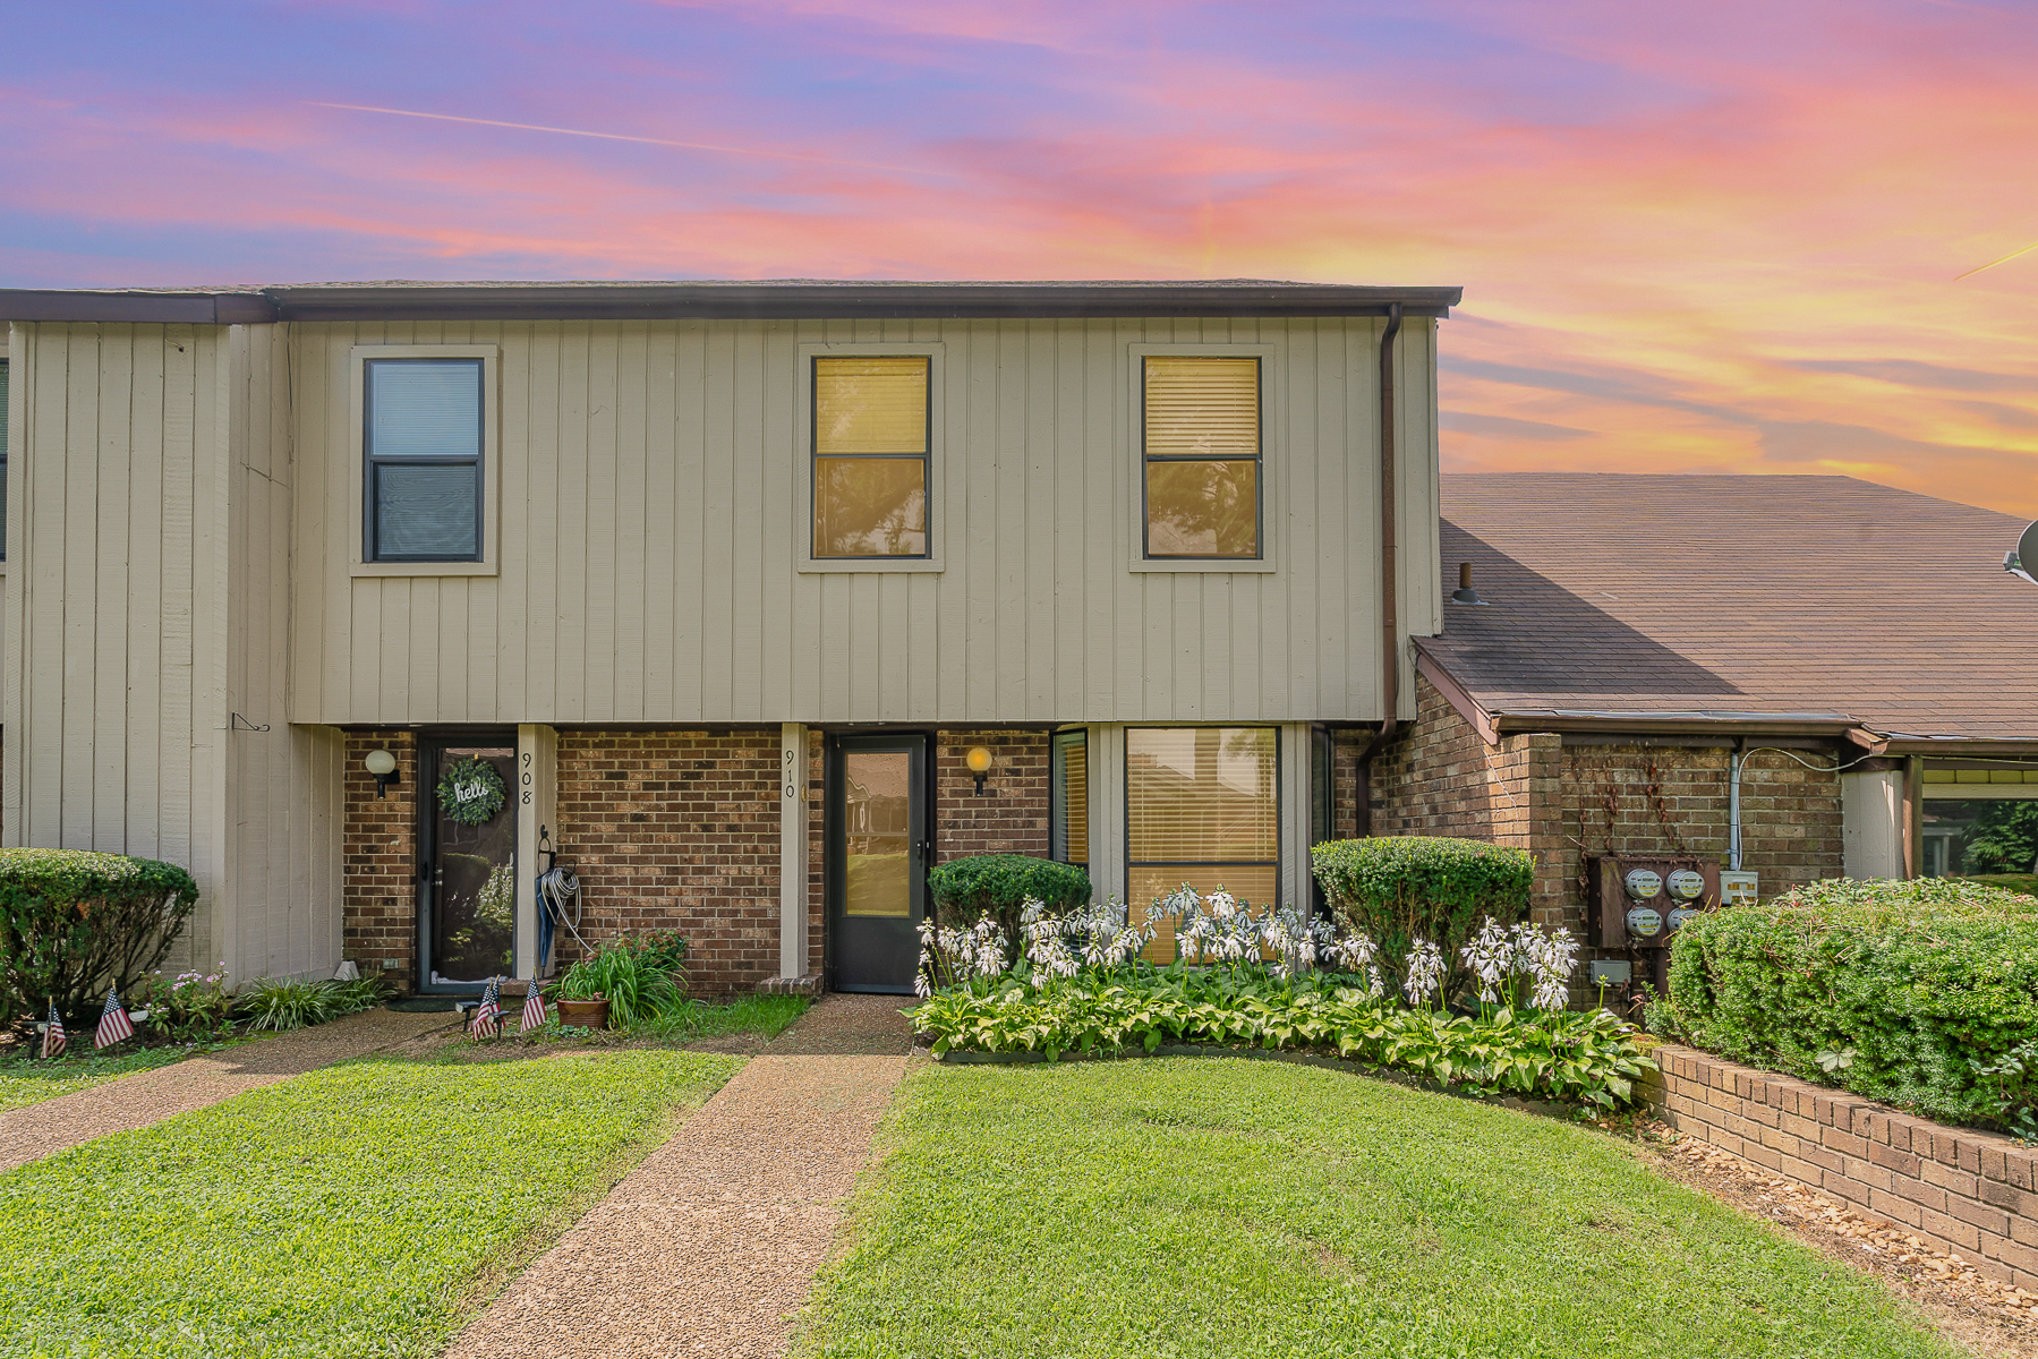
(1661, 799)
(378, 908)
(1969, 1192)
(677, 830)
(1011, 815)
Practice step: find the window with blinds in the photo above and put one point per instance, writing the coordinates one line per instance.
(1202, 807)
(872, 430)
(423, 428)
(1070, 804)
(1201, 437)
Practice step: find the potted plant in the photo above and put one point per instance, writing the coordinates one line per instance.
(626, 982)
(580, 998)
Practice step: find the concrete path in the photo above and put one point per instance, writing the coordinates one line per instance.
(710, 1245)
(128, 1102)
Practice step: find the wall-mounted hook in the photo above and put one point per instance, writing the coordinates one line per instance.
(239, 723)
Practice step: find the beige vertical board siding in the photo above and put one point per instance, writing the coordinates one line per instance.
(1419, 501)
(649, 543)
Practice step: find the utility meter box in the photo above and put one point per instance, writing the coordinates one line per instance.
(1639, 901)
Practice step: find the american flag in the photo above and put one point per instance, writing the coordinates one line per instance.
(113, 1023)
(488, 1014)
(534, 1008)
(54, 1040)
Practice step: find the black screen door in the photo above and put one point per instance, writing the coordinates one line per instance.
(878, 847)
(467, 866)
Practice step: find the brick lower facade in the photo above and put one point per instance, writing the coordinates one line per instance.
(1972, 1193)
(1010, 816)
(378, 865)
(1564, 799)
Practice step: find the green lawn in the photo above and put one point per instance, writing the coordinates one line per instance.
(30, 1080)
(1214, 1207)
(350, 1211)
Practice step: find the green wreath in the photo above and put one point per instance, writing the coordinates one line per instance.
(471, 792)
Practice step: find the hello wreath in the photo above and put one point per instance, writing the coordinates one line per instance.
(471, 792)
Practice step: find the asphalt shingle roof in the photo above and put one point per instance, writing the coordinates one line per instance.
(1739, 594)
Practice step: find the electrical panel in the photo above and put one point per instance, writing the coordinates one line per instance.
(1638, 901)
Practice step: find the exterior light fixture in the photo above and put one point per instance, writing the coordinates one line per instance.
(382, 765)
(979, 762)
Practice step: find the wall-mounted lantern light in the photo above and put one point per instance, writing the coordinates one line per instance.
(979, 762)
(382, 765)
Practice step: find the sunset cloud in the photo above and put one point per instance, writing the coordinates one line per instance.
(1740, 237)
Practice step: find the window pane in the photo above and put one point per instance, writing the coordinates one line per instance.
(1201, 794)
(870, 405)
(870, 507)
(424, 408)
(1979, 835)
(877, 832)
(1259, 884)
(1202, 509)
(1072, 798)
(1202, 407)
(427, 511)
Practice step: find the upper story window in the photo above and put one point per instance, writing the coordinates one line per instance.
(423, 429)
(1201, 429)
(872, 432)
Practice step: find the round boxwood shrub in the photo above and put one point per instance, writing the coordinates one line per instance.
(73, 922)
(1398, 888)
(965, 890)
(1922, 994)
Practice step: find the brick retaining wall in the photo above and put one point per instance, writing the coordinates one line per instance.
(1969, 1192)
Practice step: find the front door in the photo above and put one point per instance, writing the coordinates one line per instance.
(878, 848)
(467, 861)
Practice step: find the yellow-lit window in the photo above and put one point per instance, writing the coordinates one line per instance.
(871, 433)
(1202, 808)
(1201, 433)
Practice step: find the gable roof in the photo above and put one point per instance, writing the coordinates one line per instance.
(1766, 602)
(772, 299)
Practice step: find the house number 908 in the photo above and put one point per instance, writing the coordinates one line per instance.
(527, 779)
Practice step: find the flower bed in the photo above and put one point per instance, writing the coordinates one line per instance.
(1256, 980)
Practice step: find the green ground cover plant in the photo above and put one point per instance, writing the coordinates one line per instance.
(283, 1004)
(1220, 1207)
(28, 1080)
(1921, 994)
(349, 1211)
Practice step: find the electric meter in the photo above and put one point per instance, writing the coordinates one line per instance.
(1643, 883)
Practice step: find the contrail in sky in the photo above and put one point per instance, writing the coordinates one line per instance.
(1993, 263)
(620, 137)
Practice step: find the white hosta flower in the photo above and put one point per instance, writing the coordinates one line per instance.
(1490, 957)
(1425, 972)
(1221, 904)
(1548, 959)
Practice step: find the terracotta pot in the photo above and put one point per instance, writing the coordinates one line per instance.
(584, 1014)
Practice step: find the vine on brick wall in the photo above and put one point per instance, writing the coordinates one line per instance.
(1611, 770)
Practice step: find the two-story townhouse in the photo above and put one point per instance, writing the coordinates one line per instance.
(756, 599)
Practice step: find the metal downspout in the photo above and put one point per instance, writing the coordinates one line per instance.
(1390, 585)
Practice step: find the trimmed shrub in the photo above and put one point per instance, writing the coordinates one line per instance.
(1915, 993)
(997, 885)
(73, 922)
(1399, 888)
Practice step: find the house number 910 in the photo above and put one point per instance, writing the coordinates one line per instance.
(789, 762)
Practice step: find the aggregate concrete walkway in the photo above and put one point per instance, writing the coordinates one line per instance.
(710, 1245)
(128, 1102)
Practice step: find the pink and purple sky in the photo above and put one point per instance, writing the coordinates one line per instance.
(1731, 236)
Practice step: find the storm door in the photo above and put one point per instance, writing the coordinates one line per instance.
(467, 861)
(878, 847)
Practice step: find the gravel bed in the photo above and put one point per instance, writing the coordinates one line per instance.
(135, 1101)
(1984, 1315)
(711, 1244)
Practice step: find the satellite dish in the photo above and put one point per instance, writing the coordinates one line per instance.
(2024, 561)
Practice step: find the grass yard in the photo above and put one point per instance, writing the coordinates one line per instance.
(30, 1080)
(360, 1210)
(1215, 1207)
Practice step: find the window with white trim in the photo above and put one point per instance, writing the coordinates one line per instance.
(424, 431)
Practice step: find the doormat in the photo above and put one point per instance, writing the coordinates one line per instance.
(422, 1005)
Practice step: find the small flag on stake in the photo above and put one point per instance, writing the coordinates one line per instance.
(114, 1026)
(534, 1008)
(488, 1014)
(54, 1039)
